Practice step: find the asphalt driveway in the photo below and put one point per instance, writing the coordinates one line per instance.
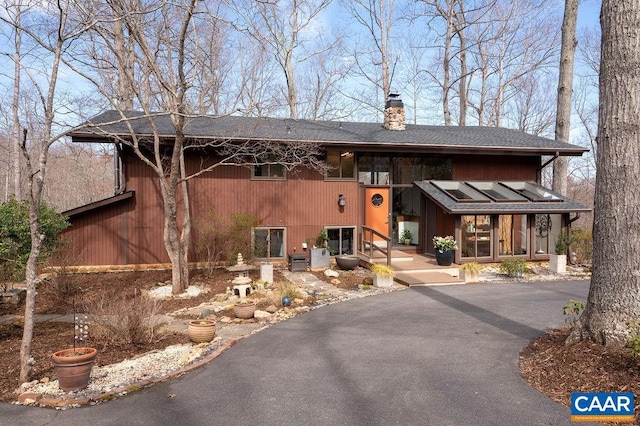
(422, 356)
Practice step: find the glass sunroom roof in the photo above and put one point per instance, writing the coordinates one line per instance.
(503, 197)
(487, 192)
(461, 192)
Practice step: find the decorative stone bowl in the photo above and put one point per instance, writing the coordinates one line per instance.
(347, 261)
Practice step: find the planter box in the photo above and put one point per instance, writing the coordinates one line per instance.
(469, 277)
(382, 280)
(319, 258)
(558, 263)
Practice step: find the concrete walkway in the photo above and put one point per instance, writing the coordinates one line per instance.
(423, 356)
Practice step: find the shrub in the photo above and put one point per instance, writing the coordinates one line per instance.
(15, 237)
(582, 246)
(218, 238)
(383, 270)
(563, 242)
(121, 319)
(286, 288)
(514, 267)
(572, 310)
(471, 267)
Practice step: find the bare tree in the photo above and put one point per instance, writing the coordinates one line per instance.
(286, 30)
(13, 17)
(565, 91)
(52, 33)
(508, 48)
(374, 60)
(613, 305)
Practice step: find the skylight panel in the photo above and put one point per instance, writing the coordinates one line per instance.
(532, 192)
(498, 192)
(461, 192)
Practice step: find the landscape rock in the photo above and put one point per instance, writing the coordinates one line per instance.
(225, 320)
(272, 309)
(258, 314)
(331, 273)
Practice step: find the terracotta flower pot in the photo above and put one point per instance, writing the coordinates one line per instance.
(201, 330)
(244, 310)
(73, 367)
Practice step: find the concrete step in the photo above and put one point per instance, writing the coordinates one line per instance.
(426, 278)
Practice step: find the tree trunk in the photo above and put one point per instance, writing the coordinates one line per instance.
(32, 289)
(614, 296)
(565, 92)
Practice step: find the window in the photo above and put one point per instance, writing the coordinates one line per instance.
(269, 171)
(476, 236)
(268, 242)
(374, 170)
(512, 234)
(547, 228)
(340, 240)
(342, 164)
(407, 169)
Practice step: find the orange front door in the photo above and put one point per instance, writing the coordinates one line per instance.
(376, 211)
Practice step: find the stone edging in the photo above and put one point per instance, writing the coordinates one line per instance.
(39, 399)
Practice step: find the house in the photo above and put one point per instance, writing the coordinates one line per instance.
(480, 184)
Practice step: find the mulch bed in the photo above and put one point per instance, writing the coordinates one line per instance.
(556, 369)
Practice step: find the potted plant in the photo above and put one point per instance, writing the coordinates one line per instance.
(445, 249)
(73, 366)
(382, 275)
(320, 255)
(201, 330)
(558, 261)
(406, 237)
(470, 272)
(244, 309)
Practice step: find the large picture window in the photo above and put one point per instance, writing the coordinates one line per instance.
(268, 243)
(342, 164)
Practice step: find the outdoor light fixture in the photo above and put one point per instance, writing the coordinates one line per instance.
(342, 200)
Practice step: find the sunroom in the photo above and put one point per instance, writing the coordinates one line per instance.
(494, 220)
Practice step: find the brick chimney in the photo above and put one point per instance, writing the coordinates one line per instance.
(394, 113)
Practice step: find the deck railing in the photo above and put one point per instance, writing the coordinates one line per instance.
(370, 240)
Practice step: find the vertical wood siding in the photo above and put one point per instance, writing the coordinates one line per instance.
(131, 231)
(494, 167)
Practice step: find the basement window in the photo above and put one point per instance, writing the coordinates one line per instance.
(268, 243)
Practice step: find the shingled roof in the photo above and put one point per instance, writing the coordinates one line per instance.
(350, 135)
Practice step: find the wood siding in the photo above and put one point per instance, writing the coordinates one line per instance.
(303, 204)
(131, 231)
(493, 167)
